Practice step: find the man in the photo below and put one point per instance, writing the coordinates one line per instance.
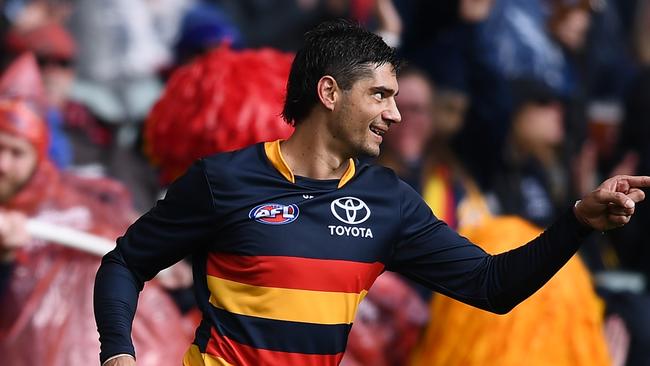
(288, 236)
(45, 288)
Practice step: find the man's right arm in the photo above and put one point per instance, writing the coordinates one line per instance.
(178, 225)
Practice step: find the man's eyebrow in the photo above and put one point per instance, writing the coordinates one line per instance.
(386, 90)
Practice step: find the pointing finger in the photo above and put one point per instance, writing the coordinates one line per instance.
(637, 181)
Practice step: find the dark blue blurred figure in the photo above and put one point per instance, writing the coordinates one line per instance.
(203, 27)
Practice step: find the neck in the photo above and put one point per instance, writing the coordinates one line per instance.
(313, 152)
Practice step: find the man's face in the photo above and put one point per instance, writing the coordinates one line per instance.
(18, 160)
(58, 77)
(571, 31)
(539, 124)
(366, 111)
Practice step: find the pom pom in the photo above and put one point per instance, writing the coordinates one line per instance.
(225, 100)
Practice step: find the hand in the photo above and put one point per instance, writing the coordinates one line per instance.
(124, 360)
(13, 233)
(612, 204)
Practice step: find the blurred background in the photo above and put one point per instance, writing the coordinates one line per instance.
(512, 110)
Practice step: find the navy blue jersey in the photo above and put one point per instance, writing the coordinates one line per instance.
(281, 262)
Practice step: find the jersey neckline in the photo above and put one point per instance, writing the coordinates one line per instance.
(274, 156)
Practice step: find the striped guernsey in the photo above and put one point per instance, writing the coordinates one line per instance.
(281, 262)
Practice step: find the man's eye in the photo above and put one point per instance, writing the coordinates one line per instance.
(379, 95)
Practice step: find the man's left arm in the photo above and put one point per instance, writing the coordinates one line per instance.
(433, 254)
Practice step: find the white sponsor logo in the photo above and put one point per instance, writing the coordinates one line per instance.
(354, 231)
(350, 210)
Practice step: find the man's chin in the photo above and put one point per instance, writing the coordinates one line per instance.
(369, 152)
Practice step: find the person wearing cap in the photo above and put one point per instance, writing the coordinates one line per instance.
(45, 288)
(54, 51)
(288, 236)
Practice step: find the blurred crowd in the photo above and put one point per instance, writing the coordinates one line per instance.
(511, 111)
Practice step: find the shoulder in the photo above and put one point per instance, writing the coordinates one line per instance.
(233, 164)
(237, 159)
(378, 174)
(381, 176)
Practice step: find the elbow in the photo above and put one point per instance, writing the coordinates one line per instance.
(114, 268)
(502, 310)
(501, 307)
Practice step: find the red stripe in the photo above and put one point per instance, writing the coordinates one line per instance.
(295, 272)
(239, 354)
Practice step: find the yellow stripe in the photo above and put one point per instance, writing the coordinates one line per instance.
(274, 154)
(349, 173)
(194, 357)
(272, 150)
(306, 306)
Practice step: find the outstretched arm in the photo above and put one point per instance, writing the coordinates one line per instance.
(436, 256)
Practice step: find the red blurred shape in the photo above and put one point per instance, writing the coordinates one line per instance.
(225, 100)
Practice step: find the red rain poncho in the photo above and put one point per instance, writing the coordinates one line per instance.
(47, 314)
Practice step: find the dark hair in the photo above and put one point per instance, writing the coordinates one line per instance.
(341, 49)
(525, 91)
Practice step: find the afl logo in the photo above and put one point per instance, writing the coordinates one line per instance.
(350, 210)
(274, 213)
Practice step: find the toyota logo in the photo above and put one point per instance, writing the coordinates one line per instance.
(350, 210)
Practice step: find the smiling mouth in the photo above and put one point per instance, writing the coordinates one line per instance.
(378, 130)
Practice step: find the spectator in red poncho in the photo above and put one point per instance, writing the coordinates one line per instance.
(46, 291)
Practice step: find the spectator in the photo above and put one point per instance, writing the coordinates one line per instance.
(117, 65)
(54, 49)
(46, 291)
(204, 27)
(533, 183)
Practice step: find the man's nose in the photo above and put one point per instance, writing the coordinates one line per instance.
(392, 113)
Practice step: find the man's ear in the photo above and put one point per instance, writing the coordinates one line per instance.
(328, 92)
